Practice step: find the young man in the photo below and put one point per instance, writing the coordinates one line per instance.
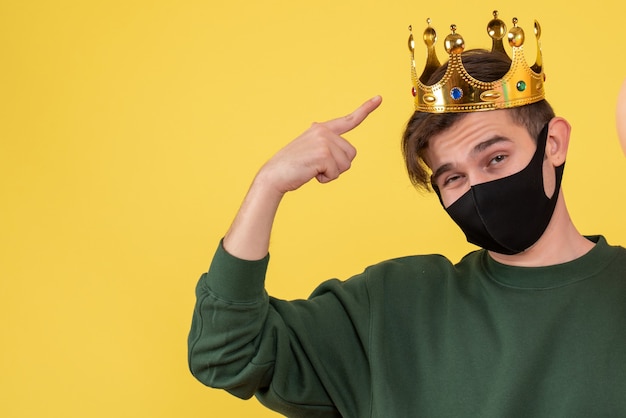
(529, 326)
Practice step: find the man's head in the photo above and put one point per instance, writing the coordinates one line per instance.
(422, 127)
(497, 172)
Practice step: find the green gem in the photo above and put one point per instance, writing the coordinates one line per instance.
(521, 85)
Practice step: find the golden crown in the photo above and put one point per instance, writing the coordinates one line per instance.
(457, 91)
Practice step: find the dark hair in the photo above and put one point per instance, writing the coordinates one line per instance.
(484, 66)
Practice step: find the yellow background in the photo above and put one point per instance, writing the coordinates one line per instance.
(130, 130)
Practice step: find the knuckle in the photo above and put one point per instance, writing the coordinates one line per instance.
(334, 174)
(323, 153)
(314, 130)
(317, 127)
(352, 152)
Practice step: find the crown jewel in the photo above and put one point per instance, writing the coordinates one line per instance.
(457, 91)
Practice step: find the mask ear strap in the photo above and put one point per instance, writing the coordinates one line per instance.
(542, 140)
(436, 189)
(540, 154)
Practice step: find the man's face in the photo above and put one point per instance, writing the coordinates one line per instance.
(480, 147)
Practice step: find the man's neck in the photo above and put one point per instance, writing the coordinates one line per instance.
(561, 242)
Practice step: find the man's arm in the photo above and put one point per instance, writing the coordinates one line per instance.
(320, 152)
(240, 339)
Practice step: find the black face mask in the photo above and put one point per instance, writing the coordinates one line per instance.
(510, 214)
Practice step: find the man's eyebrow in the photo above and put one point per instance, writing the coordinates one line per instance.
(442, 169)
(476, 150)
(486, 144)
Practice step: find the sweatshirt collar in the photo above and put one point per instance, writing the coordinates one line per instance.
(550, 277)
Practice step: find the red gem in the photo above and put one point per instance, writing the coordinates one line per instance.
(414, 92)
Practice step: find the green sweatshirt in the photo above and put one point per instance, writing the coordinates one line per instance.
(421, 337)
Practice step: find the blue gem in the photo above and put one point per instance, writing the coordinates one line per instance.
(456, 93)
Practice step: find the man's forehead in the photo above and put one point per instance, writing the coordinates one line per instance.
(472, 133)
(475, 126)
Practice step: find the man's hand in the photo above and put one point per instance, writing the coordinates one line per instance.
(320, 152)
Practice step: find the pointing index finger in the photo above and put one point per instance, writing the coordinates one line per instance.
(346, 123)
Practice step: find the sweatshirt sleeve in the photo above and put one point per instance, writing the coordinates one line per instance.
(296, 357)
(230, 309)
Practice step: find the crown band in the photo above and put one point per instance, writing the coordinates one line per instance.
(458, 91)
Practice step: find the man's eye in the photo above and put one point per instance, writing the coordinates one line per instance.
(451, 179)
(497, 159)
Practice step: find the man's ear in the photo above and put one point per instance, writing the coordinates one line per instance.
(558, 141)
